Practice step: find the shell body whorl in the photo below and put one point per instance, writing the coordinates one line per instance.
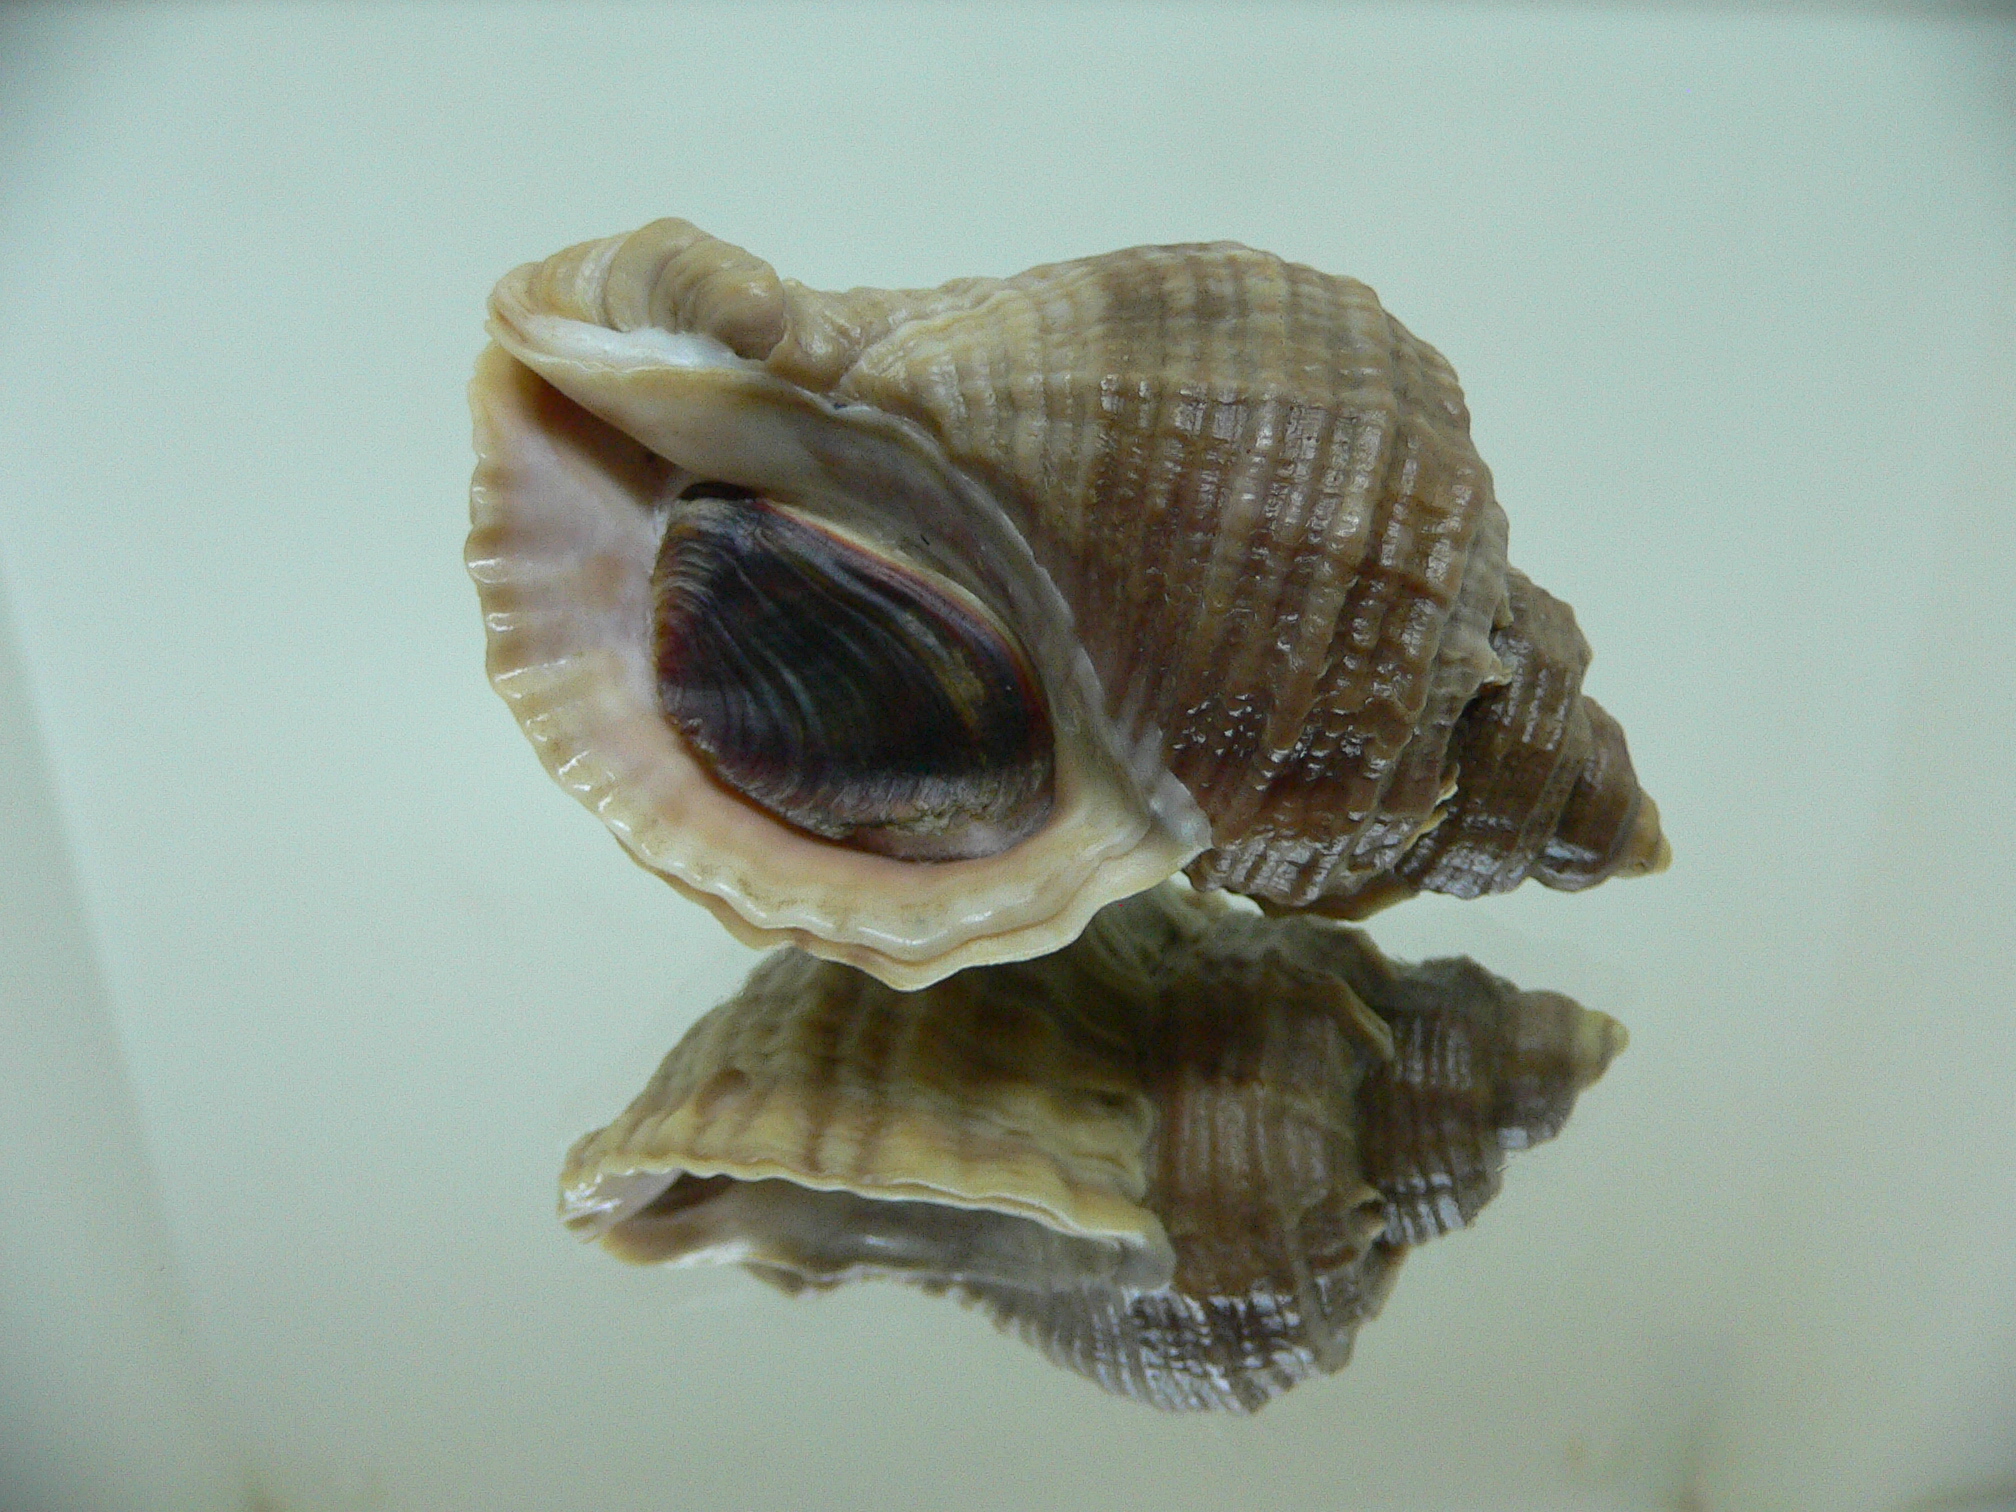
(1226, 506)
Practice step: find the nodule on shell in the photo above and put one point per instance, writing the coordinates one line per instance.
(915, 627)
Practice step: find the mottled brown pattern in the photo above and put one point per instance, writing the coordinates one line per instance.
(1255, 492)
(1258, 492)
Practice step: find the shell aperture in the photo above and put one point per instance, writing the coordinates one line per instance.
(1221, 512)
(1183, 1156)
(842, 691)
(569, 516)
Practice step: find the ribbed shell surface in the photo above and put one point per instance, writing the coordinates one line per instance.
(1256, 496)
(1258, 492)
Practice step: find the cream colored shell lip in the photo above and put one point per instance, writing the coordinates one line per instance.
(1227, 505)
(582, 435)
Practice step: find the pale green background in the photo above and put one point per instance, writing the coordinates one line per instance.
(308, 974)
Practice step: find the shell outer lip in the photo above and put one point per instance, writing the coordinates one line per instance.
(933, 928)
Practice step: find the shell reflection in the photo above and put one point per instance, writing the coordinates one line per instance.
(1184, 1156)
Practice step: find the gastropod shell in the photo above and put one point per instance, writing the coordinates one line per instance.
(913, 628)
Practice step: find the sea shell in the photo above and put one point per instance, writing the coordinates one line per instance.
(1183, 1156)
(913, 628)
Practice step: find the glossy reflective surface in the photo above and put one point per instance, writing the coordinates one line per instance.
(1730, 298)
(1183, 1156)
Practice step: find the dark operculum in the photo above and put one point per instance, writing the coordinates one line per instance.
(846, 693)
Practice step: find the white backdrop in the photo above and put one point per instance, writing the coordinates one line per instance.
(311, 975)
